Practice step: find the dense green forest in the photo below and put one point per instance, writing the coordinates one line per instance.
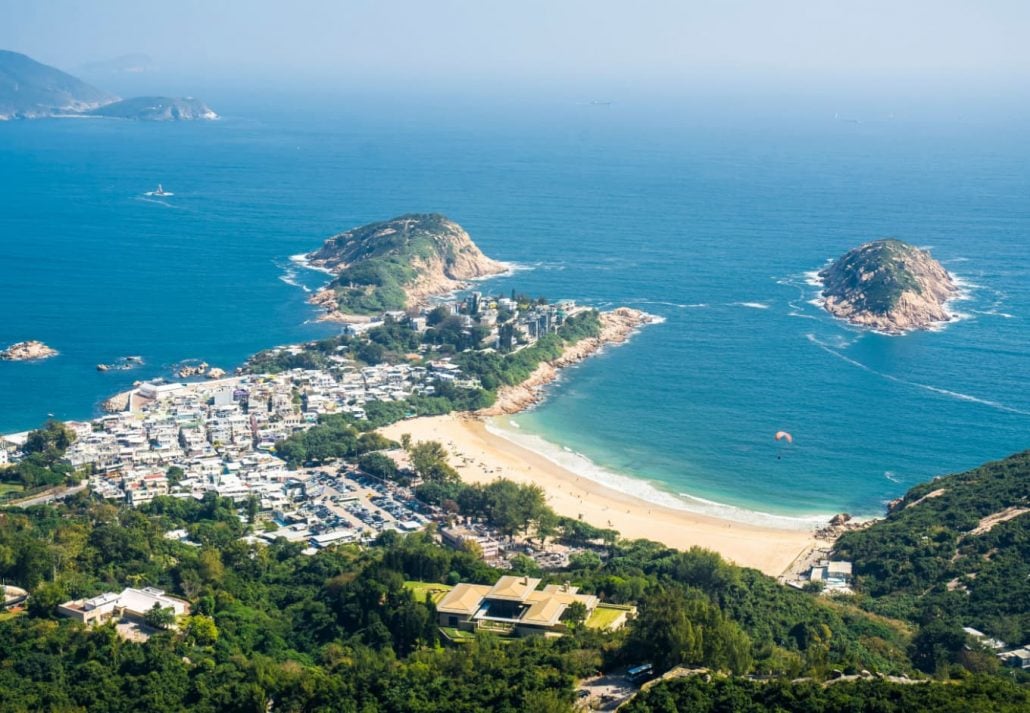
(940, 558)
(274, 629)
(340, 631)
(696, 695)
(43, 463)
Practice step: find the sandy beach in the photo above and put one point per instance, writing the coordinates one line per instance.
(481, 456)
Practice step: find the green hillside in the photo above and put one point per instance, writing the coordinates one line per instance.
(29, 88)
(886, 264)
(377, 264)
(956, 548)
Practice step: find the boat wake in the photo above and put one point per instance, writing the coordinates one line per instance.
(997, 405)
(678, 305)
(166, 204)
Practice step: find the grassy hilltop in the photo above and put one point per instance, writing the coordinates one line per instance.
(391, 264)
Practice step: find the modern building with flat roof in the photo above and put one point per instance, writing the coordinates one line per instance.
(512, 604)
(131, 603)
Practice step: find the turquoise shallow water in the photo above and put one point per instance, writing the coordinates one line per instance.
(710, 223)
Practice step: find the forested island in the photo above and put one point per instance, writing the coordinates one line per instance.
(395, 264)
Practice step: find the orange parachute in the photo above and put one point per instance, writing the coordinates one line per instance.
(784, 436)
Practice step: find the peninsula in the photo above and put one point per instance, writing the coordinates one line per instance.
(889, 286)
(396, 264)
(33, 90)
(27, 351)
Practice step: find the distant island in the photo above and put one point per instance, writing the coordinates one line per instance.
(889, 286)
(396, 264)
(157, 109)
(32, 90)
(27, 351)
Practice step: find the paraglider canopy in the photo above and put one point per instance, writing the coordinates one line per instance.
(784, 436)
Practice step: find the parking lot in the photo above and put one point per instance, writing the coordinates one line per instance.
(345, 500)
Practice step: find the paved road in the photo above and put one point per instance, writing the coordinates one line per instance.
(50, 496)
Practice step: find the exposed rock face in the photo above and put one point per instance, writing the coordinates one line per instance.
(396, 264)
(616, 327)
(27, 351)
(889, 286)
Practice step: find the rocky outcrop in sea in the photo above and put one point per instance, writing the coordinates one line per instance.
(27, 351)
(888, 286)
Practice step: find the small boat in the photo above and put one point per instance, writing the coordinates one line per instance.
(159, 193)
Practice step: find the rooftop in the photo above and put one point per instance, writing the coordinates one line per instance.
(463, 599)
(513, 589)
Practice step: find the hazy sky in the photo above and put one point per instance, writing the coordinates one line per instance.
(357, 41)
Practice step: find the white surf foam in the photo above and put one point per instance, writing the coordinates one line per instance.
(812, 278)
(302, 260)
(642, 489)
(510, 268)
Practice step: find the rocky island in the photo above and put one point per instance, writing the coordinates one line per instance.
(27, 351)
(889, 286)
(396, 264)
(157, 109)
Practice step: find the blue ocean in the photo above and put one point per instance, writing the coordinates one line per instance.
(712, 221)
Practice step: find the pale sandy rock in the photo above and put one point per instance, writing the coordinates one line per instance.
(27, 351)
(888, 286)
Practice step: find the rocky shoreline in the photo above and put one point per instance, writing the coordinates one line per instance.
(438, 255)
(32, 350)
(617, 326)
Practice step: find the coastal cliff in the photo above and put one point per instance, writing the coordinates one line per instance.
(617, 326)
(889, 286)
(396, 264)
(27, 351)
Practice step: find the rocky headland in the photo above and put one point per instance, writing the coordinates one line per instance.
(617, 326)
(27, 351)
(395, 265)
(889, 286)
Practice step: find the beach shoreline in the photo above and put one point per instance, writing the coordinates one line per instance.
(480, 456)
